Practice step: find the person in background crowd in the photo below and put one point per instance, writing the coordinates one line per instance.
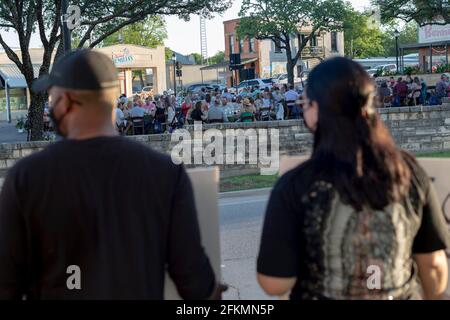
(119, 241)
(244, 93)
(207, 102)
(225, 102)
(248, 111)
(416, 91)
(127, 108)
(326, 225)
(424, 91)
(149, 106)
(227, 95)
(216, 113)
(137, 111)
(384, 94)
(400, 92)
(120, 118)
(443, 86)
(258, 101)
(197, 114)
(187, 104)
(392, 84)
(160, 114)
(291, 97)
(277, 96)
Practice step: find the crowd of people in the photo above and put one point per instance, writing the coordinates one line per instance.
(412, 91)
(164, 113)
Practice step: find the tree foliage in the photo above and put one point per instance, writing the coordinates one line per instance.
(363, 41)
(217, 58)
(150, 32)
(422, 11)
(282, 20)
(99, 20)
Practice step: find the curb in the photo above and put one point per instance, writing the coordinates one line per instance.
(245, 193)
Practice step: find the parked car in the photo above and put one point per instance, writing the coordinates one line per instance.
(382, 70)
(196, 88)
(221, 87)
(283, 78)
(261, 83)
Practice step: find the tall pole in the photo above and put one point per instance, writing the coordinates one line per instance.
(174, 58)
(396, 51)
(65, 30)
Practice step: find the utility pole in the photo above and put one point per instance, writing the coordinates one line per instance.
(65, 30)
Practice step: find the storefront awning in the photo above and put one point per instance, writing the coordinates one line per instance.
(425, 45)
(12, 74)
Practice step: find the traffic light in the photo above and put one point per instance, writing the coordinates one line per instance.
(178, 65)
(235, 58)
(179, 73)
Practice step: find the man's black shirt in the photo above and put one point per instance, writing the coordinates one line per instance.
(113, 207)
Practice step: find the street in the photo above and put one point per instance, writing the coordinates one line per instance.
(241, 218)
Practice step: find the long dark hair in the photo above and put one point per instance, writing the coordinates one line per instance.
(351, 144)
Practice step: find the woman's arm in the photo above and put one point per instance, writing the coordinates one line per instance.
(433, 273)
(275, 286)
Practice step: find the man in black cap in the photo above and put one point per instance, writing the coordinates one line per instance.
(97, 216)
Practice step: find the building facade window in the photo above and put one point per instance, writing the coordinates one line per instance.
(334, 41)
(314, 42)
(241, 46)
(231, 40)
(251, 44)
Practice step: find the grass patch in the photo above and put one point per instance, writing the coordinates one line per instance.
(257, 181)
(439, 154)
(247, 182)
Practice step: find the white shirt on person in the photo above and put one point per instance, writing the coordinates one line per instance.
(119, 117)
(291, 95)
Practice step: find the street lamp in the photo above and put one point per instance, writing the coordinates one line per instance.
(174, 60)
(396, 35)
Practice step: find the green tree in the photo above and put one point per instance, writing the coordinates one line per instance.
(169, 54)
(99, 19)
(361, 41)
(150, 32)
(197, 57)
(217, 58)
(282, 20)
(421, 11)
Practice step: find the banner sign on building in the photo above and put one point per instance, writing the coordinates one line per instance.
(434, 33)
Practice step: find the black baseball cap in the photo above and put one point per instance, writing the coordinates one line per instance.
(81, 69)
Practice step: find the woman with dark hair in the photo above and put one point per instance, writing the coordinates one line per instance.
(360, 219)
(197, 114)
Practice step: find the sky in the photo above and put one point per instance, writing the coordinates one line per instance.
(184, 37)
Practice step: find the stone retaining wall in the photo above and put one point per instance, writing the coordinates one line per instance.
(417, 129)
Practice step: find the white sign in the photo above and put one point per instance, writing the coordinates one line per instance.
(434, 33)
(205, 183)
(122, 57)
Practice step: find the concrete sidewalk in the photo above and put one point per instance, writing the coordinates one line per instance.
(8, 133)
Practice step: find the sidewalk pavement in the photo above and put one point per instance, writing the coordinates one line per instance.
(8, 133)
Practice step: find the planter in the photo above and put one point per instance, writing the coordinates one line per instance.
(20, 130)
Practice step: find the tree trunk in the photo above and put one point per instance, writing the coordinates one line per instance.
(289, 66)
(36, 115)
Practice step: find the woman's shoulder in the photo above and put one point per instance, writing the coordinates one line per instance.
(299, 178)
(419, 177)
